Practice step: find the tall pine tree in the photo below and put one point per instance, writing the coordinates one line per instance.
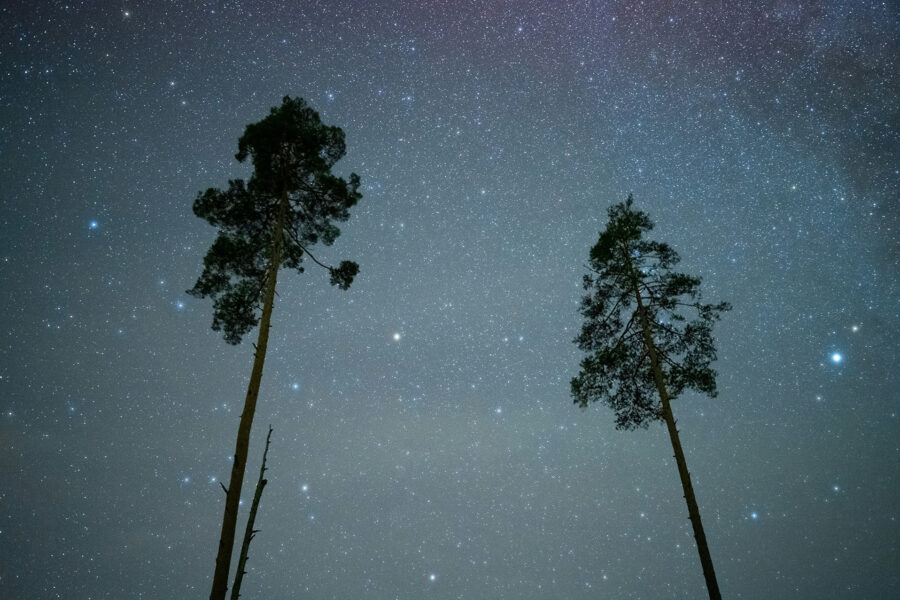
(642, 351)
(291, 202)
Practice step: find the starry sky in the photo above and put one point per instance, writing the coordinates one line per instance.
(426, 445)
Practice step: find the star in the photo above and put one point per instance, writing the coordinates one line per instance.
(452, 105)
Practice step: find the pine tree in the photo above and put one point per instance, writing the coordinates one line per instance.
(290, 203)
(643, 352)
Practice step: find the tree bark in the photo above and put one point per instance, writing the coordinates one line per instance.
(233, 492)
(249, 532)
(712, 586)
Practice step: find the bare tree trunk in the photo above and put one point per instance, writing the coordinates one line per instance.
(233, 491)
(712, 586)
(250, 533)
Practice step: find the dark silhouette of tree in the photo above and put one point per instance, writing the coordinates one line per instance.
(290, 203)
(643, 352)
(249, 532)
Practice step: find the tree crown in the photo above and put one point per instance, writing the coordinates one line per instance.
(631, 281)
(292, 196)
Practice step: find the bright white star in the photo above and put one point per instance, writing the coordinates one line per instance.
(836, 357)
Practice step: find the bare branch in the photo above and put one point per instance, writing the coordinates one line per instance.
(250, 533)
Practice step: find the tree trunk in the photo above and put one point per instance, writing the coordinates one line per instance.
(233, 492)
(249, 532)
(712, 586)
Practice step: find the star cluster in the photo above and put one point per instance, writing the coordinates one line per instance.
(425, 444)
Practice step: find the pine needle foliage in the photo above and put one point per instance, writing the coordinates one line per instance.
(624, 267)
(292, 154)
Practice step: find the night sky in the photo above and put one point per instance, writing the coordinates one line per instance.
(426, 445)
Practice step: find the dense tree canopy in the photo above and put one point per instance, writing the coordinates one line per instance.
(292, 154)
(630, 274)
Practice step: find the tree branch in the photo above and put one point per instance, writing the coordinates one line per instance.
(296, 239)
(673, 331)
(609, 314)
(637, 366)
(624, 331)
(250, 533)
(665, 356)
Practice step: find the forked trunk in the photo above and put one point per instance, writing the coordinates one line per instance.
(249, 532)
(233, 492)
(709, 573)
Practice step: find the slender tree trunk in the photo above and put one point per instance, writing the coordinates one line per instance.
(712, 586)
(249, 532)
(233, 492)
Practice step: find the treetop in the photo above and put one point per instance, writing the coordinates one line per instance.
(635, 299)
(290, 141)
(291, 202)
